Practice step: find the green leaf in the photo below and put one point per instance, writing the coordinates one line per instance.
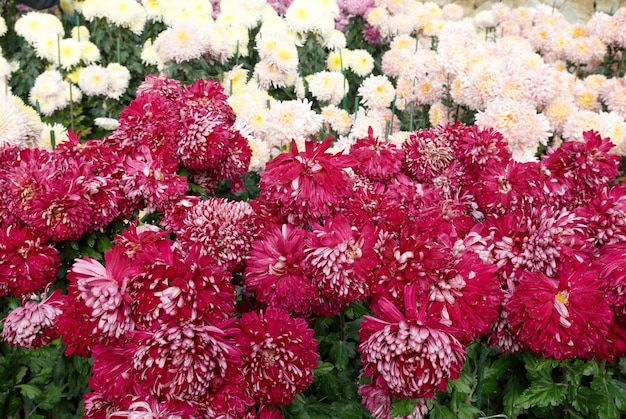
(322, 369)
(542, 393)
(466, 411)
(402, 407)
(538, 368)
(513, 388)
(29, 391)
(103, 243)
(441, 412)
(464, 383)
(341, 352)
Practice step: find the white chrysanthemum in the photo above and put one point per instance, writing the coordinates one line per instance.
(376, 92)
(282, 55)
(269, 76)
(338, 119)
(89, 52)
(558, 112)
(378, 17)
(438, 114)
(70, 52)
(244, 12)
(613, 126)
(307, 16)
(149, 55)
(235, 80)
(361, 62)
(80, 33)
(48, 130)
(154, 9)
(93, 80)
(292, 119)
(107, 123)
(335, 40)
(338, 59)
(47, 47)
(180, 43)
(365, 119)
(47, 84)
(328, 86)
(34, 25)
(15, 125)
(3, 26)
(119, 78)
(5, 69)
(126, 14)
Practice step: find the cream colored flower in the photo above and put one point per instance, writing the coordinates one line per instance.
(361, 62)
(376, 92)
(328, 86)
(48, 130)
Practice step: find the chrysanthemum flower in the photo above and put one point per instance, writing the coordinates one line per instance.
(376, 92)
(378, 160)
(180, 43)
(305, 185)
(119, 77)
(290, 120)
(225, 229)
(94, 80)
(605, 215)
(342, 258)
(360, 62)
(562, 318)
(412, 356)
(328, 86)
(276, 272)
(27, 263)
(428, 154)
(279, 354)
(32, 324)
(33, 25)
(185, 359)
(16, 127)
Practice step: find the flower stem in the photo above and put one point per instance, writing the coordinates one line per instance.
(480, 375)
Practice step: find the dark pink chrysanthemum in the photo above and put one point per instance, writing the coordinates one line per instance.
(582, 167)
(539, 239)
(224, 228)
(276, 273)
(151, 407)
(412, 259)
(185, 359)
(502, 335)
(303, 186)
(342, 259)
(428, 154)
(410, 355)
(27, 263)
(176, 285)
(605, 215)
(112, 371)
(377, 160)
(32, 324)
(610, 266)
(279, 355)
(562, 318)
(467, 297)
(151, 183)
(479, 149)
(378, 402)
(206, 121)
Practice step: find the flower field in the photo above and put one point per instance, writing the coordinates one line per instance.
(296, 209)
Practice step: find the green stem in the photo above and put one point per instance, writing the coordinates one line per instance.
(480, 375)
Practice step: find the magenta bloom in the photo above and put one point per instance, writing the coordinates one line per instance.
(377, 160)
(276, 273)
(279, 355)
(407, 353)
(27, 263)
(187, 360)
(224, 229)
(562, 318)
(303, 186)
(342, 259)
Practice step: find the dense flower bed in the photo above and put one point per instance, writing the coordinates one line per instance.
(251, 220)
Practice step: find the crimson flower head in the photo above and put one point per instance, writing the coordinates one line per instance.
(27, 262)
(411, 355)
(224, 229)
(563, 318)
(276, 272)
(279, 354)
(342, 259)
(429, 153)
(305, 185)
(377, 160)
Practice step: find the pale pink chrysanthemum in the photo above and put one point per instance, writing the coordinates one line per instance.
(376, 92)
(276, 272)
(613, 94)
(225, 229)
(342, 258)
(563, 318)
(412, 356)
(32, 324)
(519, 123)
(279, 354)
(185, 359)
